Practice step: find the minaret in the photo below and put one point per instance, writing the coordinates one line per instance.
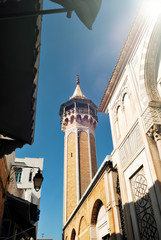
(78, 120)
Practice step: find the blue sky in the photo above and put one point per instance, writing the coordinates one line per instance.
(68, 48)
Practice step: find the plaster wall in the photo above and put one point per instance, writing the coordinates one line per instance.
(5, 164)
(26, 185)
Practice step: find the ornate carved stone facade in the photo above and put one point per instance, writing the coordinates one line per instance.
(136, 124)
(130, 146)
(143, 206)
(155, 132)
(151, 116)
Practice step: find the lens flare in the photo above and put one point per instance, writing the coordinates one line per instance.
(152, 7)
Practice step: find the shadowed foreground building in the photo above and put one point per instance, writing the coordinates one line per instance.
(122, 199)
(21, 208)
(44, 239)
(19, 78)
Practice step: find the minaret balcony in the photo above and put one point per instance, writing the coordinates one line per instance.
(81, 119)
(68, 112)
(78, 111)
(82, 110)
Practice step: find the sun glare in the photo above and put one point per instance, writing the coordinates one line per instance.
(152, 7)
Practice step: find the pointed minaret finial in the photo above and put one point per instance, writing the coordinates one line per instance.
(78, 92)
(77, 80)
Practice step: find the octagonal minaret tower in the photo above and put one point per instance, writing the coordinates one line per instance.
(78, 120)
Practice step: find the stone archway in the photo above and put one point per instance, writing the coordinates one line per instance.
(99, 222)
(83, 229)
(152, 62)
(98, 203)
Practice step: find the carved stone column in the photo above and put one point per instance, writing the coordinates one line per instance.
(93, 234)
(154, 141)
(155, 132)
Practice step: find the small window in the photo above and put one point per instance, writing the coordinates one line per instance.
(18, 174)
(30, 177)
(71, 154)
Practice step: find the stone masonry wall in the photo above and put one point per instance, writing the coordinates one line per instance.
(84, 162)
(93, 155)
(71, 174)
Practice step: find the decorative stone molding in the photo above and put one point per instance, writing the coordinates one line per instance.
(115, 109)
(152, 63)
(108, 206)
(151, 116)
(120, 100)
(155, 132)
(143, 206)
(130, 146)
(125, 90)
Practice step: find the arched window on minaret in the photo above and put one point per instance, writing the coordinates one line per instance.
(66, 121)
(72, 119)
(85, 118)
(79, 118)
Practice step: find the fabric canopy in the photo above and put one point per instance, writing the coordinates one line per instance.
(19, 63)
(24, 213)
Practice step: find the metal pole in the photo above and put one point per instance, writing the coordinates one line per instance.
(31, 13)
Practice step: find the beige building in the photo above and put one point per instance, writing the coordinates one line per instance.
(122, 199)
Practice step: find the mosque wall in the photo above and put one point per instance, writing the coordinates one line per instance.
(94, 218)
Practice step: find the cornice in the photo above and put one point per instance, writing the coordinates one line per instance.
(128, 48)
